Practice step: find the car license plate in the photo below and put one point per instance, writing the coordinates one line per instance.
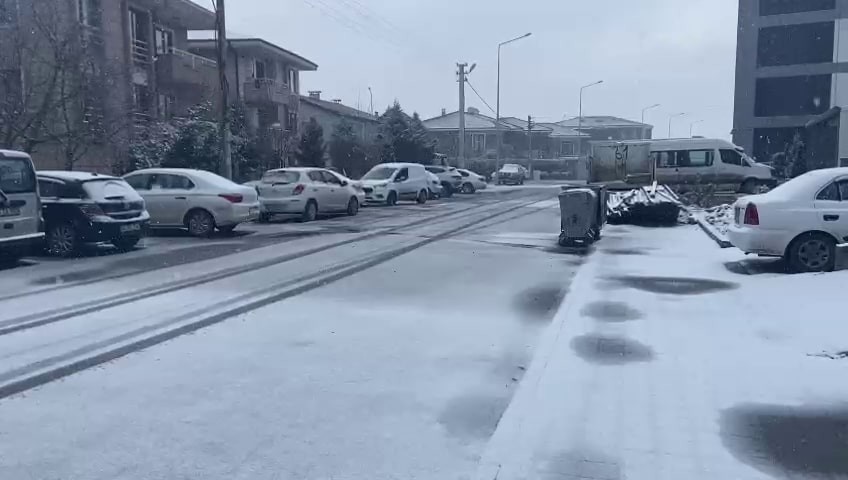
(132, 227)
(9, 211)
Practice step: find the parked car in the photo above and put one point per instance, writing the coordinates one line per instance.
(701, 160)
(802, 220)
(307, 192)
(20, 207)
(83, 207)
(449, 177)
(357, 187)
(435, 186)
(511, 173)
(390, 182)
(471, 182)
(197, 200)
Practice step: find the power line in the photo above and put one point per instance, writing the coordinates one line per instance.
(480, 96)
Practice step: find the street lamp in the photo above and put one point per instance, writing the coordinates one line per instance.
(648, 108)
(498, 106)
(672, 117)
(692, 126)
(371, 111)
(580, 117)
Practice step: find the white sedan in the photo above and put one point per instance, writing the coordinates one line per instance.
(802, 220)
(308, 192)
(471, 182)
(197, 200)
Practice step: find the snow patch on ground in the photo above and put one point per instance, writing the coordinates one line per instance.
(720, 217)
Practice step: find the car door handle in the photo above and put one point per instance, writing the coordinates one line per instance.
(831, 218)
(180, 198)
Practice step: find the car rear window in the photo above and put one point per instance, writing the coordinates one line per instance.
(282, 176)
(109, 189)
(16, 175)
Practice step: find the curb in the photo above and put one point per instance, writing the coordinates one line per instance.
(500, 455)
(712, 233)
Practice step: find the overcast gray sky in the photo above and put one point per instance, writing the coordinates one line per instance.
(646, 51)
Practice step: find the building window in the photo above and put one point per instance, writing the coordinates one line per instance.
(478, 142)
(89, 12)
(566, 149)
(795, 44)
(780, 7)
(8, 12)
(791, 96)
(164, 39)
(259, 69)
(293, 80)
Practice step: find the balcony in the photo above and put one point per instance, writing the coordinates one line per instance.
(266, 91)
(178, 67)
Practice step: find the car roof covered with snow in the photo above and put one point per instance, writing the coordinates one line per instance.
(211, 179)
(75, 176)
(807, 185)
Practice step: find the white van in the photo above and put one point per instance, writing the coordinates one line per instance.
(708, 161)
(20, 206)
(389, 182)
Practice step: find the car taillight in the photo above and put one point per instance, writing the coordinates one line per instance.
(92, 210)
(752, 216)
(298, 189)
(232, 197)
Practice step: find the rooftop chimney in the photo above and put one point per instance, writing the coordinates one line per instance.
(473, 111)
(444, 111)
(316, 94)
(337, 100)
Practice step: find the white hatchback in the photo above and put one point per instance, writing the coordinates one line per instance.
(194, 199)
(802, 220)
(307, 191)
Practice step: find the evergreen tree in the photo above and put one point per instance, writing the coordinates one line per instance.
(404, 138)
(310, 149)
(347, 151)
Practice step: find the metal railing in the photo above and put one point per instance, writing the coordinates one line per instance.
(140, 52)
(195, 60)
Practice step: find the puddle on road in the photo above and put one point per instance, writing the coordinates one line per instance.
(538, 304)
(778, 439)
(610, 350)
(625, 251)
(675, 285)
(606, 311)
(473, 415)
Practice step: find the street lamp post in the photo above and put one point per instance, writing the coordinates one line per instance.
(648, 108)
(498, 101)
(371, 105)
(692, 127)
(672, 117)
(580, 117)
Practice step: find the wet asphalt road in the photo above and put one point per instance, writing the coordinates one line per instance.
(382, 346)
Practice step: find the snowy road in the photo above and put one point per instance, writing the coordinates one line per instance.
(382, 346)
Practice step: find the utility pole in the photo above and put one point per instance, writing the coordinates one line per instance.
(530, 142)
(224, 125)
(461, 159)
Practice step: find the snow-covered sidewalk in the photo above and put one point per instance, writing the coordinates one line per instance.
(668, 361)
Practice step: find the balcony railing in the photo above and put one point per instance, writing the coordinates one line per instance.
(140, 52)
(178, 67)
(266, 90)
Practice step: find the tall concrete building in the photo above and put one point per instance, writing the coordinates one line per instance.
(792, 79)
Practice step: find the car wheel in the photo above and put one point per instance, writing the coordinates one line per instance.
(310, 213)
(468, 188)
(352, 206)
(812, 252)
(227, 229)
(749, 186)
(264, 217)
(200, 223)
(125, 244)
(391, 200)
(62, 240)
(447, 190)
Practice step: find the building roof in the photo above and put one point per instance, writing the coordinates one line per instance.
(255, 44)
(338, 109)
(188, 14)
(522, 124)
(601, 122)
(473, 122)
(558, 131)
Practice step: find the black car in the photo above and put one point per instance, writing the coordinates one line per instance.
(82, 207)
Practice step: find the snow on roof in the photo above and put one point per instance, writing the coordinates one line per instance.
(560, 131)
(338, 109)
(473, 121)
(77, 176)
(522, 124)
(602, 121)
(207, 40)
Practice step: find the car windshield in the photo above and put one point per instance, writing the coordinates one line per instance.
(281, 176)
(584, 240)
(382, 173)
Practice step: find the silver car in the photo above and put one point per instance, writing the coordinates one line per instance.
(194, 199)
(306, 192)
